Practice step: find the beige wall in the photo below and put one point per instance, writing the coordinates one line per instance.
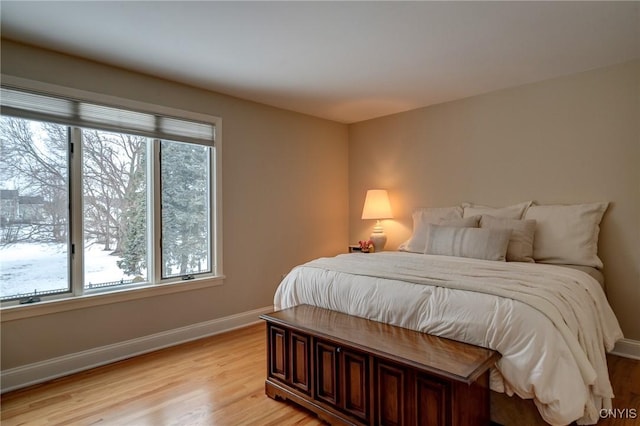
(567, 140)
(285, 201)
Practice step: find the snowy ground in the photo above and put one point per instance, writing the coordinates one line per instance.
(27, 267)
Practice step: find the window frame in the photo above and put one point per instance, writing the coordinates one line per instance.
(80, 298)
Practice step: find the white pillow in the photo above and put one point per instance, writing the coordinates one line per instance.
(423, 217)
(520, 247)
(567, 234)
(510, 212)
(478, 243)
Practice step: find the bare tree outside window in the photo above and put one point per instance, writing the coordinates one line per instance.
(114, 187)
(34, 200)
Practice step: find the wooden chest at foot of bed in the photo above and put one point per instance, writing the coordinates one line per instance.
(354, 371)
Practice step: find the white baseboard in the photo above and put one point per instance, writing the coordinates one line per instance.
(38, 372)
(42, 371)
(627, 348)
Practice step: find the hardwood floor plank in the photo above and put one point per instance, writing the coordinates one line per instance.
(214, 381)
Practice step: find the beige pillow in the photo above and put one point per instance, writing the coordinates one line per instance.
(478, 243)
(520, 247)
(423, 217)
(511, 212)
(466, 222)
(567, 234)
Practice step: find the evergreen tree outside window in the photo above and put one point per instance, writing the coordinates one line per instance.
(185, 214)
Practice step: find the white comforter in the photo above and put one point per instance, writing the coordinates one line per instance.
(552, 325)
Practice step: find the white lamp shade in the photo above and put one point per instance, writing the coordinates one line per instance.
(376, 205)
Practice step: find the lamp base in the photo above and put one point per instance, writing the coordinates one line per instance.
(378, 237)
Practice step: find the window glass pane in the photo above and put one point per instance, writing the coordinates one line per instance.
(34, 214)
(185, 177)
(115, 209)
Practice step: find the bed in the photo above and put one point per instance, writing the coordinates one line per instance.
(551, 323)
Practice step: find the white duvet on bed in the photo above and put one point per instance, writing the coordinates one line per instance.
(552, 325)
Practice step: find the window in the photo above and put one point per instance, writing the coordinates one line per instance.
(34, 208)
(115, 203)
(184, 179)
(96, 198)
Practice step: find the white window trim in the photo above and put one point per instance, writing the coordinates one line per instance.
(51, 306)
(70, 302)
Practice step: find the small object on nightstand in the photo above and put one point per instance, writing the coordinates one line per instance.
(355, 248)
(367, 246)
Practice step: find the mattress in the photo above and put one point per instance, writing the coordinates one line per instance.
(553, 338)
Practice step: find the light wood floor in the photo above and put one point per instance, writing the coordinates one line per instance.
(214, 381)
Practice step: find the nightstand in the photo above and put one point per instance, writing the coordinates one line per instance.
(355, 248)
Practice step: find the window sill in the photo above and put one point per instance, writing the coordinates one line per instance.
(16, 312)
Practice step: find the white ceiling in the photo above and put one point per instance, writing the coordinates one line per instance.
(345, 61)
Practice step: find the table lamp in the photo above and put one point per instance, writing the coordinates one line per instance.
(376, 206)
